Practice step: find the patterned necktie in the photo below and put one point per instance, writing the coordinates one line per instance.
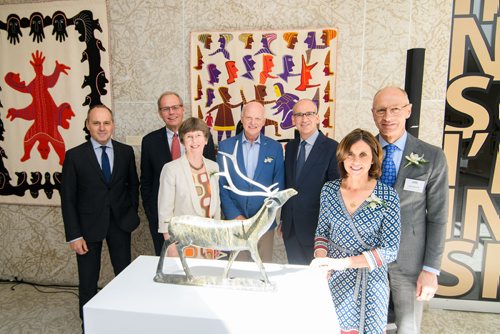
(176, 147)
(301, 159)
(105, 166)
(388, 166)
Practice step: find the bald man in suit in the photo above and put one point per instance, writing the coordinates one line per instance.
(99, 200)
(422, 185)
(300, 214)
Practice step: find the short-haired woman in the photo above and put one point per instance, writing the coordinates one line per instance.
(189, 185)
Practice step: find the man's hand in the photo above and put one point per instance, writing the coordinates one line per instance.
(79, 246)
(427, 285)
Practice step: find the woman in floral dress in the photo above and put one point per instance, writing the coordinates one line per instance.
(358, 235)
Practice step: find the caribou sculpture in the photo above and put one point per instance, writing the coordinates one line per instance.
(226, 235)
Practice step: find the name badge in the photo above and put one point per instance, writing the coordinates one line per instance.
(414, 185)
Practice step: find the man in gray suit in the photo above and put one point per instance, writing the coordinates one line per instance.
(420, 176)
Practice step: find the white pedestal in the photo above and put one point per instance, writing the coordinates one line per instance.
(134, 303)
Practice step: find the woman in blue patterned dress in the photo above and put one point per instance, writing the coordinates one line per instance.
(358, 235)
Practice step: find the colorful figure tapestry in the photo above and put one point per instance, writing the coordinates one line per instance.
(245, 66)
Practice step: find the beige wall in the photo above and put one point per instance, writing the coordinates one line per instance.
(149, 54)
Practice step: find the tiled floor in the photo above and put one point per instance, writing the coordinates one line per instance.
(24, 309)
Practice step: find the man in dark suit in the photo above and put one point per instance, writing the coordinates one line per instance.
(419, 173)
(99, 200)
(156, 151)
(300, 214)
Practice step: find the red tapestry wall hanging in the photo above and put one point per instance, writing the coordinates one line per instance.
(54, 66)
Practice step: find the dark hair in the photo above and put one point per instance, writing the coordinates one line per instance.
(193, 124)
(352, 138)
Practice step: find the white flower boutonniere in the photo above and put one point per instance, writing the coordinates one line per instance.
(374, 201)
(415, 159)
(213, 173)
(268, 160)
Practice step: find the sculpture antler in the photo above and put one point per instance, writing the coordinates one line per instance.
(267, 191)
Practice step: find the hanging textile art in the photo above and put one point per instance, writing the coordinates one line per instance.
(276, 68)
(54, 66)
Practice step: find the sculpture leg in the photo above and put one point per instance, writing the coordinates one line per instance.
(232, 256)
(159, 269)
(254, 252)
(180, 250)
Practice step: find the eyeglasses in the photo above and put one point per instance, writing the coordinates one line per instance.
(176, 107)
(394, 111)
(305, 114)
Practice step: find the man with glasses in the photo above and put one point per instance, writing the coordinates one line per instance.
(310, 161)
(158, 148)
(418, 172)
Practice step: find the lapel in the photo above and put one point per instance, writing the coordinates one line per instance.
(314, 155)
(293, 151)
(239, 156)
(117, 160)
(214, 183)
(263, 152)
(90, 155)
(410, 145)
(165, 149)
(195, 200)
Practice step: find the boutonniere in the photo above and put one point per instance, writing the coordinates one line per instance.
(415, 159)
(374, 201)
(268, 160)
(212, 173)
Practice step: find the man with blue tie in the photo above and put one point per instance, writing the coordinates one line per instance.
(310, 162)
(99, 200)
(418, 172)
(261, 159)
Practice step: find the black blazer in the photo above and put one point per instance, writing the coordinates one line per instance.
(155, 153)
(88, 204)
(302, 210)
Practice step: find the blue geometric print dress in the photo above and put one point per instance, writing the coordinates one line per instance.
(360, 296)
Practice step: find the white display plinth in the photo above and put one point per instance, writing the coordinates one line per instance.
(134, 303)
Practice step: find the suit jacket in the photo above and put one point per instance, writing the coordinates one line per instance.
(155, 153)
(177, 195)
(424, 215)
(269, 170)
(88, 204)
(302, 210)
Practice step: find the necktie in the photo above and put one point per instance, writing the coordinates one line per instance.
(176, 147)
(105, 166)
(301, 159)
(388, 166)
